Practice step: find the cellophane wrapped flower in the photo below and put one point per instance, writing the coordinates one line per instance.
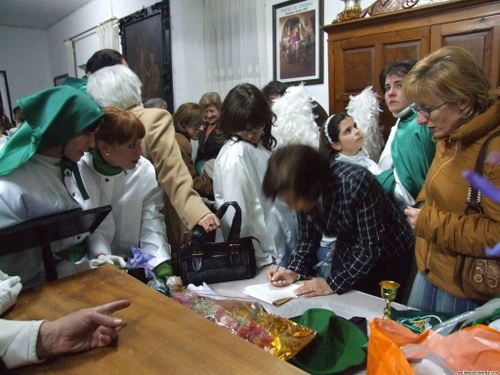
(250, 321)
(141, 259)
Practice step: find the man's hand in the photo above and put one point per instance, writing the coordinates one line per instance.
(80, 331)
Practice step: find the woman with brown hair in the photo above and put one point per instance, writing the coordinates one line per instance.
(449, 92)
(245, 132)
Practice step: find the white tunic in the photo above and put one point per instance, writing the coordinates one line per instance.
(18, 342)
(238, 174)
(136, 200)
(33, 190)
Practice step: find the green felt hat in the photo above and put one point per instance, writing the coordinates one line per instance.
(336, 347)
(77, 83)
(53, 117)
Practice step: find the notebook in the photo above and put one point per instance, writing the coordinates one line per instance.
(271, 294)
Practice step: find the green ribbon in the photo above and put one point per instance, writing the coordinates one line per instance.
(104, 167)
(67, 164)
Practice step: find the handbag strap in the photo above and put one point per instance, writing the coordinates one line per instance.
(234, 232)
(474, 205)
(199, 235)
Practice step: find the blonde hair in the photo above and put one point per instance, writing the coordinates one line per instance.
(451, 74)
(211, 98)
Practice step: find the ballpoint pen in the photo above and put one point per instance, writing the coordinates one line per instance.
(280, 262)
(283, 256)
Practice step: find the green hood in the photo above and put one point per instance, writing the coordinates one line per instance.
(53, 117)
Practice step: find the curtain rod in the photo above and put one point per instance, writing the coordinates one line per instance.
(92, 28)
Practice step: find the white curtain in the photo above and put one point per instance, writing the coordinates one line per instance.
(70, 57)
(235, 44)
(107, 32)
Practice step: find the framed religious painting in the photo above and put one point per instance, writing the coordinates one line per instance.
(5, 95)
(146, 45)
(298, 42)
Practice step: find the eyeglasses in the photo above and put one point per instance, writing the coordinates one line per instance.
(252, 130)
(199, 124)
(424, 111)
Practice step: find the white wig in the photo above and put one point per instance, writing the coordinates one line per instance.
(115, 85)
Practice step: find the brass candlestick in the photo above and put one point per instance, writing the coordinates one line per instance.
(388, 290)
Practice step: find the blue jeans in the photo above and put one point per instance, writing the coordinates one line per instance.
(428, 297)
(324, 266)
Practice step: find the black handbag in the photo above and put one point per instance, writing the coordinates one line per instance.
(205, 260)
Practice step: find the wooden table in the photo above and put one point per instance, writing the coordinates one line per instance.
(160, 336)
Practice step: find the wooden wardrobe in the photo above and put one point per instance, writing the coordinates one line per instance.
(360, 46)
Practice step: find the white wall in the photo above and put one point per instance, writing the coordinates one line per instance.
(25, 58)
(187, 51)
(32, 58)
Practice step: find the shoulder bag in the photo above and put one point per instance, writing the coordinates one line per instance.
(478, 278)
(205, 260)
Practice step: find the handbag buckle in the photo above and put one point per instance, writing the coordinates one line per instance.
(234, 257)
(197, 260)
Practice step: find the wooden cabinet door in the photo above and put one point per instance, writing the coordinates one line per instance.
(479, 36)
(359, 60)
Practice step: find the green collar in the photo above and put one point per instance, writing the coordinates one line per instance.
(103, 167)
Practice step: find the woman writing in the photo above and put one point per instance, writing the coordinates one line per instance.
(450, 95)
(128, 182)
(374, 240)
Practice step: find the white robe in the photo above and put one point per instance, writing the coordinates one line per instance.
(18, 342)
(33, 190)
(136, 200)
(238, 174)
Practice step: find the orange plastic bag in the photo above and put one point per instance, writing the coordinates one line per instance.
(473, 348)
